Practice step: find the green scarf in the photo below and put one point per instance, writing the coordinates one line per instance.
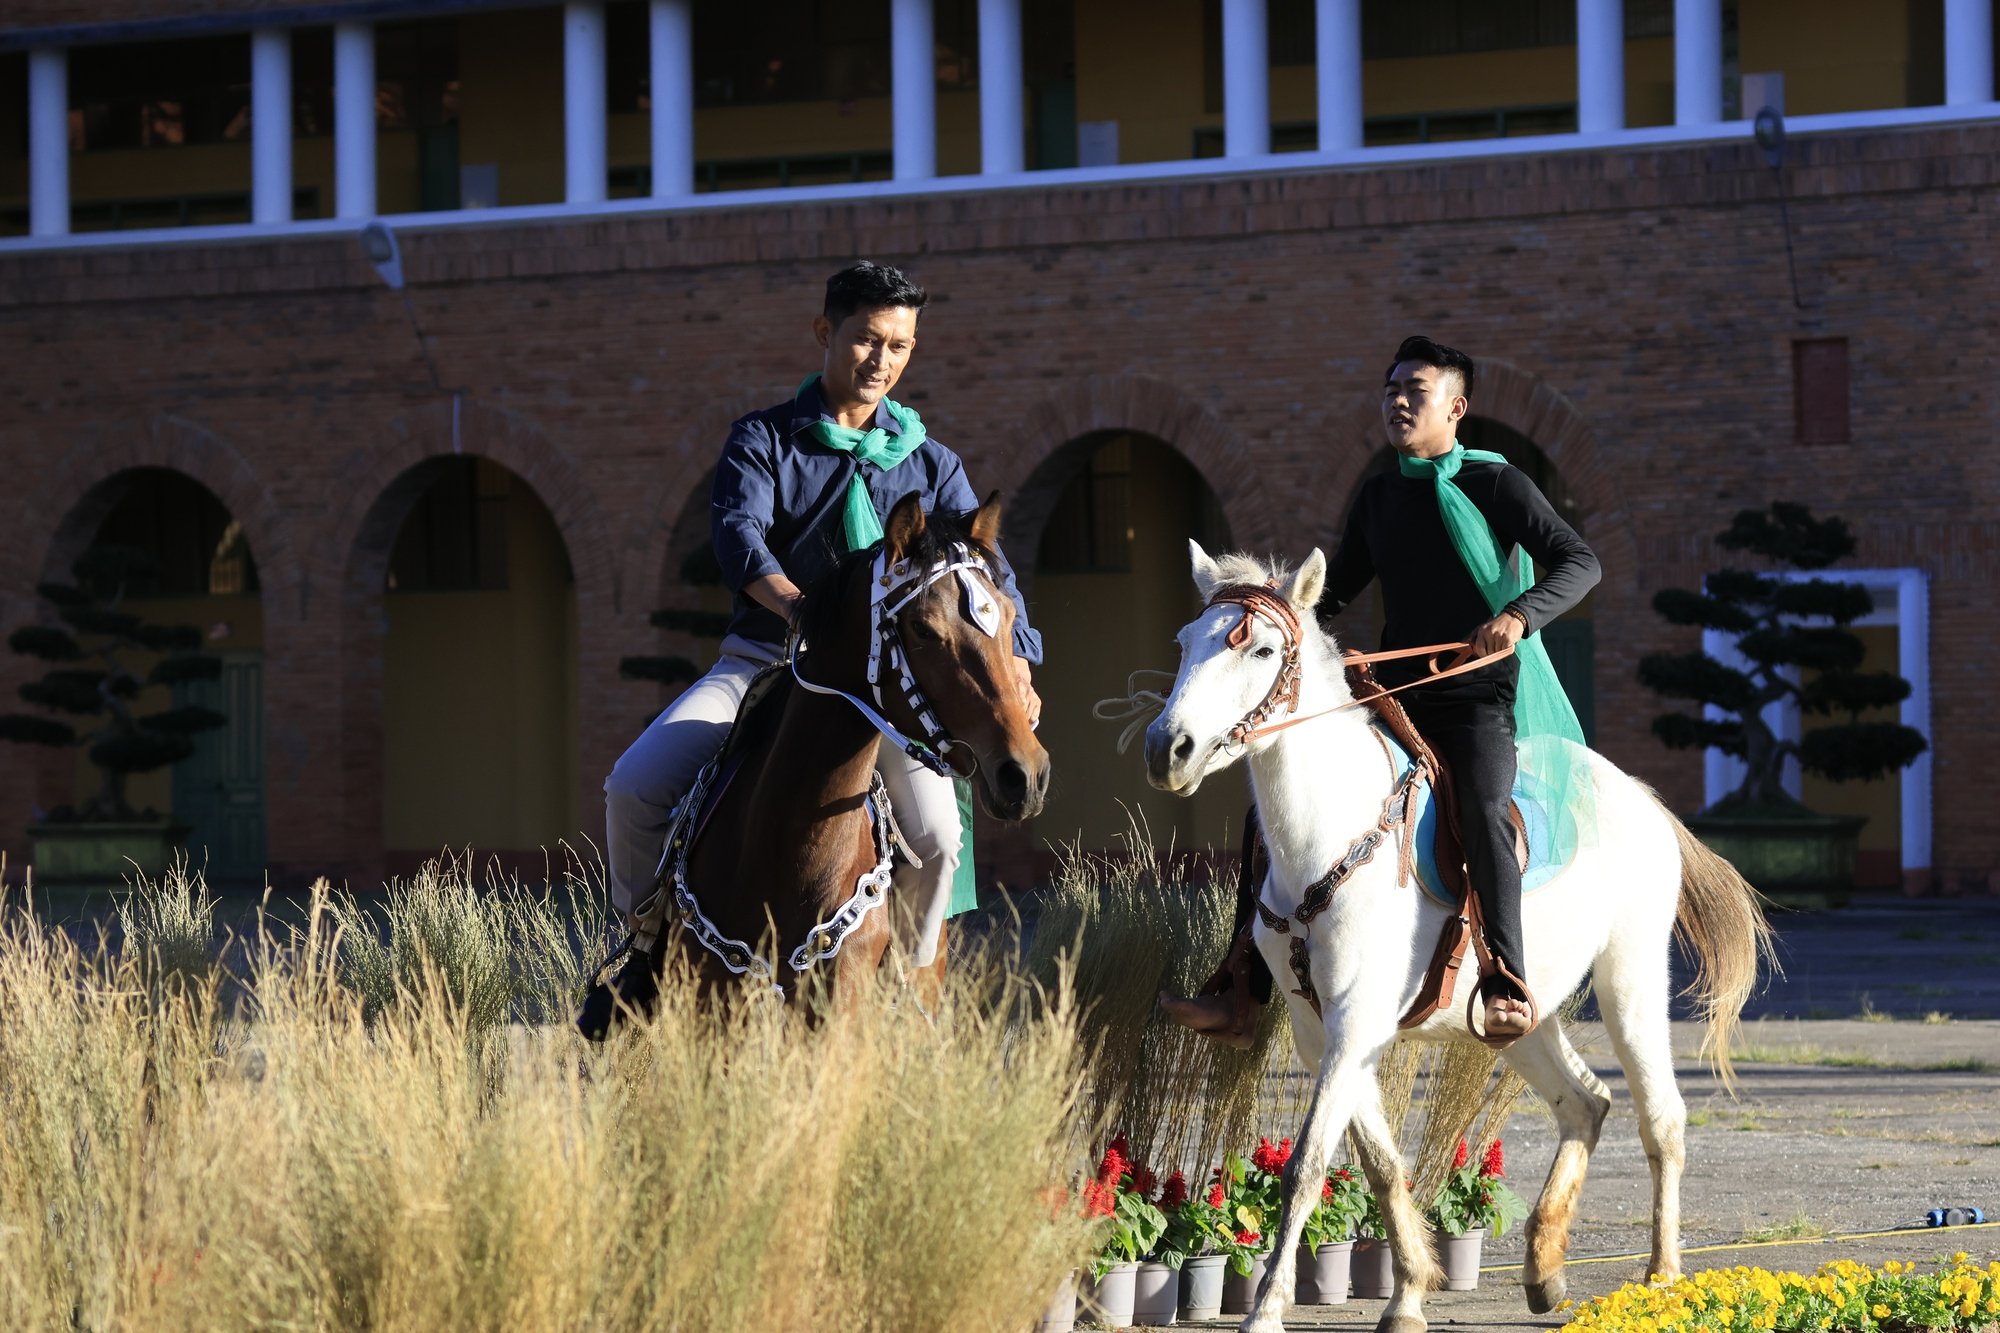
(1543, 718)
(876, 446)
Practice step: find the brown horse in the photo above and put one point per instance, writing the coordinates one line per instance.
(787, 852)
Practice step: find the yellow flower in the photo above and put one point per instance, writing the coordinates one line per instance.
(1880, 1311)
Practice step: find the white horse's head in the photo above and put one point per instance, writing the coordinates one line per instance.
(1221, 682)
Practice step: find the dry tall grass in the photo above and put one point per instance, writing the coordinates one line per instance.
(343, 1133)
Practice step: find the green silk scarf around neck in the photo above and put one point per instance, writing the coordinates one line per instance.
(1546, 731)
(876, 446)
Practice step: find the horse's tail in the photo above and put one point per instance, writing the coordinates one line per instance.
(1720, 922)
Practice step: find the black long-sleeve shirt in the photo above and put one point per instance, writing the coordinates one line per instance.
(1396, 533)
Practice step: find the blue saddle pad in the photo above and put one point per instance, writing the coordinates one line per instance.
(1535, 814)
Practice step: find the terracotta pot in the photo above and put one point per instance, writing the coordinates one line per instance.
(1460, 1257)
(1108, 1299)
(1060, 1317)
(1328, 1266)
(1373, 1269)
(1156, 1291)
(1239, 1291)
(1201, 1286)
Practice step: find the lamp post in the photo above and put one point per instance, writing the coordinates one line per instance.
(378, 244)
(1769, 131)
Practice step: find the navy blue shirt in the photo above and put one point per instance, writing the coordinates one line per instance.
(780, 495)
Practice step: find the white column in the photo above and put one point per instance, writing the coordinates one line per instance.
(1337, 44)
(673, 98)
(48, 141)
(1600, 66)
(1002, 123)
(1697, 62)
(584, 110)
(1246, 80)
(354, 120)
(271, 125)
(1968, 51)
(913, 87)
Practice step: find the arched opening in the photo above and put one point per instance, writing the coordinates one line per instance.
(478, 655)
(201, 573)
(1110, 589)
(1570, 641)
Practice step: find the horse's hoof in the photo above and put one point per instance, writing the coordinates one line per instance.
(1256, 1325)
(1402, 1323)
(1546, 1296)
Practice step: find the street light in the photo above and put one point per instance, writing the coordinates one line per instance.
(378, 244)
(1769, 132)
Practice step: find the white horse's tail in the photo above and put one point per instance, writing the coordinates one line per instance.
(1720, 921)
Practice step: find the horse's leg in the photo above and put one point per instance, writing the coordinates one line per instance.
(1632, 986)
(1345, 1066)
(1416, 1268)
(1579, 1103)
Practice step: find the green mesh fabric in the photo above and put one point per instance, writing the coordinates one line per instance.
(862, 524)
(1546, 733)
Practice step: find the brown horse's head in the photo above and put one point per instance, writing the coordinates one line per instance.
(959, 643)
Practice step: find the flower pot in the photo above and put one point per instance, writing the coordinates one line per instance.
(1201, 1286)
(1239, 1290)
(1372, 1267)
(1156, 1291)
(1328, 1266)
(1060, 1317)
(100, 857)
(1460, 1257)
(1806, 860)
(1108, 1299)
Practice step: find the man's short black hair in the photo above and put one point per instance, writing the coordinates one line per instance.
(869, 286)
(1425, 352)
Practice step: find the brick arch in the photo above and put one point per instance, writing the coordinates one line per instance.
(1088, 405)
(679, 480)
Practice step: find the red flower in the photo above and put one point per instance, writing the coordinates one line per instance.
(1175, 1193)
(1462, 1157)
(1494, 1161)
(1326, 1189)
(1216, 1196)
(1114, 1165)
(1271, 1160)
(1341, 1174)
(1143, 1179)
(1099, 1200)
(1247, 1238)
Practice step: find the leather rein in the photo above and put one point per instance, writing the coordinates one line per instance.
(1265, 600)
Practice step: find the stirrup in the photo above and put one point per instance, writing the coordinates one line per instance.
(1499, 1039)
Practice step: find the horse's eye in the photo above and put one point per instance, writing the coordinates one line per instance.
(923, 633)
(1266, 651)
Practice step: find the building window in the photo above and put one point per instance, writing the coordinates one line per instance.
(455, 538)
(1090, 529)
(196, 548)
(1820, 412)
(790, 51)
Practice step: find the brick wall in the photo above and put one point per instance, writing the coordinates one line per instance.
(1632, 307)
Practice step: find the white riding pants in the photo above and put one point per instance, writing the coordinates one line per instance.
(658, 768)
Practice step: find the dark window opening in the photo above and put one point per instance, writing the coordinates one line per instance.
(1820, 399)
(789, 51)
(455, 538)
(197, 548)
(1090, 529)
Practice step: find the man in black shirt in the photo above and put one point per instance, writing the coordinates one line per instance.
(1398, 533)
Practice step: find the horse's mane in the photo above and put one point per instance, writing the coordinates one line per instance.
(819, 612)
(1236, 567)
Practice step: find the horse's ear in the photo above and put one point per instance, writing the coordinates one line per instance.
(1206, 575)
(905, 526)
(986, 523)
(1308, 583)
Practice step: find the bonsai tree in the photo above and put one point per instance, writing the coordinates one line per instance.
(87, 696)
(1793, 637)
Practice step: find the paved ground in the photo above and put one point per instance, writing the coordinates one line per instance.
(1855, 1115)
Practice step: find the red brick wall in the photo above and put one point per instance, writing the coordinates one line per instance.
(1632, 307)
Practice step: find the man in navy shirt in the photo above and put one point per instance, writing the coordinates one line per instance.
(789, 479)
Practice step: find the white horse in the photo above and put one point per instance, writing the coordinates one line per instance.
(1319, 787)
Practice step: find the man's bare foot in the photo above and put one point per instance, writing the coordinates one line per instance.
(1221, 1017)
(1507, 1020)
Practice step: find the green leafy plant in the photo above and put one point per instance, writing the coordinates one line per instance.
(1253, 1192)
(1343, 1205)
(88, 696)
(1794, 638)
(1476, 1196)
(1130, 1225)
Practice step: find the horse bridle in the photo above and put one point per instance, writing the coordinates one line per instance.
(1263, 600)
(891, 590)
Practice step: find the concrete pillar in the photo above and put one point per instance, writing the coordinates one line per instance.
(1968, 52)
(1337, 46)
(584, 108)
(1002, 122)
(354, 120)
(1600, 66)
(913, 87)
(1246, 80)
(48, 141)
(673, 98)
(271, 125)
(1697, 62)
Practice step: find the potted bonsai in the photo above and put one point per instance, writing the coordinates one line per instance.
(1793, 638)
(1473, 1201)
(88, 698)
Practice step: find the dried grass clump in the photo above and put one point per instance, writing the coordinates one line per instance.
(304, 1146)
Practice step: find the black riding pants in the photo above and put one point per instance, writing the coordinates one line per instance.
(1471, 726)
